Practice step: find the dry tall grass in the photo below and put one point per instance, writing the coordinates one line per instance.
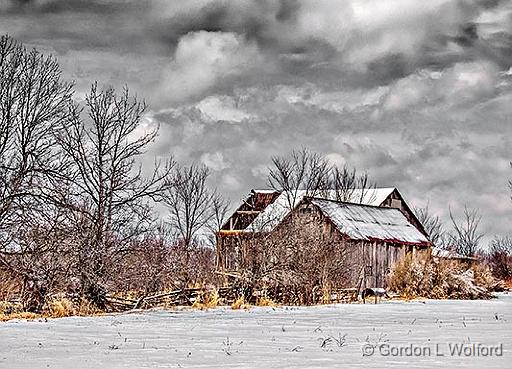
(414, 277)
(265, 301)
(207, 300)
(58, 306)
(240, 303)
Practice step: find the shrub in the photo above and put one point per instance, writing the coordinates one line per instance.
(414, 277)
(500, 257)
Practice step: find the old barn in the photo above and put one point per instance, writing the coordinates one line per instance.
(376, 228)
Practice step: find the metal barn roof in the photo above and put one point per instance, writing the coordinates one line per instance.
(274, 213)
(362, 222)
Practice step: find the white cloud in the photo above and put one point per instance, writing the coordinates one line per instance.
(464, 83)
(214, 161)
(260, 170)
(147, 125)
(365, 30)
(222, 108)
(336, 159)
(163, 9)
(203, 59)
(230, 182)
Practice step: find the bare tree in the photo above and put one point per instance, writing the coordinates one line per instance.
(432, 225)
(466, 234)
(220, 213)
(195, 214)
(220, 208)
(33, 102)
(349, 186)
(500, 257)
(310, 174)
(301, 171)
(110, 193)
(189, 201)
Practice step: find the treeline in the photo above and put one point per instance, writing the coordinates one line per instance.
(77, 208)
(463, 236)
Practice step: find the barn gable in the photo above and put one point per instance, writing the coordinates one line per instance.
(249, 209)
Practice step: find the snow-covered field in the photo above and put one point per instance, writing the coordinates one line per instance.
(308, 337)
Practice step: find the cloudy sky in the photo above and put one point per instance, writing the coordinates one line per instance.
(419, 93)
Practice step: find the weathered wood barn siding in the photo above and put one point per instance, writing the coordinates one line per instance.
(229, 248)
(376, 260)
(369, 261)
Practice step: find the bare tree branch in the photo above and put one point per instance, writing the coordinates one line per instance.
(349, 186)
(432, 225)
(500, 257)
(189, 201)
(466, 235)
(309, 173)
(33, 102)
(109, 193)
(301, 171)
(510, 181)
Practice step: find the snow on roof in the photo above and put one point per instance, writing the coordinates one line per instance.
(274, 213)
(362, 222)
(264, 191)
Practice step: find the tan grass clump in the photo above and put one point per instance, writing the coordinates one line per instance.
(265, 301)
(326, 295)
(207, 300)
(240, 303)
(421, 276)
(484, 276)
(21, 315)
(59, 307)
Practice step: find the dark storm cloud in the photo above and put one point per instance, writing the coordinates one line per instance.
(299, 47)
(282, 32)
(72, 6)
(416, 92)
(78, 25)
